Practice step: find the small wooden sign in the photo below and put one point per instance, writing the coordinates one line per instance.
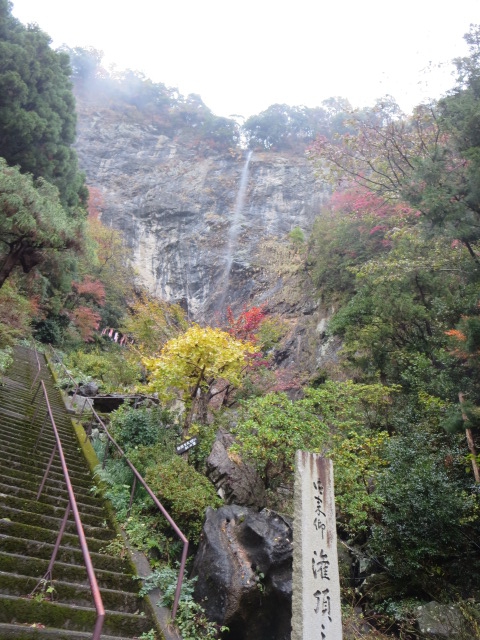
(316, 611)
(185, 446)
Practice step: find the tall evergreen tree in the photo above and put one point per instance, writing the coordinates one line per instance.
(37, 107)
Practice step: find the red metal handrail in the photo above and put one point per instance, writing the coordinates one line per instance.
(156, 501)
(71, 506)
(158, 504)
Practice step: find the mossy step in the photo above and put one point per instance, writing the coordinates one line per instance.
(14, 584)
(104, 532)
(24, 428)
(37, 567)
(32, 487)
(27, 458)
(22, 415)
(39, 534)
(14, 474)
(83, 480)
(27, 632)
(68, 555)
(26, 439)
(59, 499)
(52, 614)
(43, 508)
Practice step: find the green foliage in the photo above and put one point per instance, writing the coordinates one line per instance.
(281, 127)
(33, 223)
(190, 620)
(136, 427)
(396, 323)
(109, 367)
(184, 492)
(118, 478)
(151, 323)
(5, 359)
(206, 434)
(425, 507)
(271, 429)
(358, 460)
(297, 237)
(37, 108)
(148, 635)
(270, 332)
(15, 314)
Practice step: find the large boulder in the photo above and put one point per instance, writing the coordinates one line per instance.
(236, 481)
(244, 570)
(437, 620)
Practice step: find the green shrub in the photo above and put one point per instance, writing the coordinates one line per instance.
(5, 358)
(184, 492)
(142, 427)
(191, 619)
(424, 510)
(110, 368)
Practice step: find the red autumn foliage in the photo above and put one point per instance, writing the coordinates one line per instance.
(95, 202)
(90, 289)
(247, 324)
(86, 320)
(361, 202)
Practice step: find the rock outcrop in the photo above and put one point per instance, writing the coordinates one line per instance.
(197, 237)
(244, 569)
(236, 481)
(192, 241)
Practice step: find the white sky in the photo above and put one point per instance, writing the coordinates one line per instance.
(243, 56)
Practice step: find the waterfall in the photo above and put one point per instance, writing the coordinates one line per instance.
(233, 233)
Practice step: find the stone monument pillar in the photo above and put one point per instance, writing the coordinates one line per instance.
(316, 584)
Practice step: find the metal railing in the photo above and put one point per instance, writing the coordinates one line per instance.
(138, 478)
(71, 507)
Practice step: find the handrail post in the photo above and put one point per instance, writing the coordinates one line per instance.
(47, 471)
(105, 453)
(58, 541)
(41, 430)
(134, 486)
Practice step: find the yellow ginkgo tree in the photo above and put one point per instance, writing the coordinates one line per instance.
(201, 363)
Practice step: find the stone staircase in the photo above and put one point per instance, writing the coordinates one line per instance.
(29, 527)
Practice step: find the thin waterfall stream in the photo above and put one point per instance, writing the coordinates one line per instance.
(234, 232)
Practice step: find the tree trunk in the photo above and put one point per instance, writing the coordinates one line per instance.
(471, 443)
(20, 254)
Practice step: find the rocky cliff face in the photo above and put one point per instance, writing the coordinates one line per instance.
(196, 238)
(209, 229)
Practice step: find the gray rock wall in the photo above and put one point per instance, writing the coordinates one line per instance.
(176, 205)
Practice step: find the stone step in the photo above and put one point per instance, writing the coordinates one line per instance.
(27, 436)
(29, 528)
(20, 516)
(26, 455)
(60, 498)
(12, 475)
(60, 616)
(15, 584)
(29, 532)
(37, 567)
(55, 511)
(32, 486)
(68, 555)
(35, 632)
(16, 464)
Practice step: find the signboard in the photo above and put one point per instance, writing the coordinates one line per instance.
(185, 446)
(316, 612)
